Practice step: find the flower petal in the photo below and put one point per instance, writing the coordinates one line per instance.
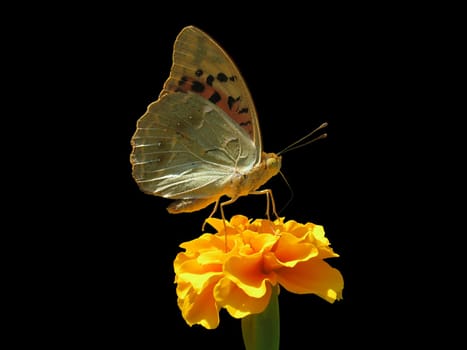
(290, 250)
(261, 242)
(207, 241)
(237, 302)
(199, 281)
(248, 274)
(313, 276)
(200, 308)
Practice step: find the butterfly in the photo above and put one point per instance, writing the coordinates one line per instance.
(201, 140)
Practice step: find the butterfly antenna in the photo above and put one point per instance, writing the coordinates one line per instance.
(304, 140)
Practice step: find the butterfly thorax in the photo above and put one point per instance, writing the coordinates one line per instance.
(243, 184)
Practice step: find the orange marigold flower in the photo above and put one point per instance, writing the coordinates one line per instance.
(237, 271)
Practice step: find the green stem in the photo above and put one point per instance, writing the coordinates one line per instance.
(261, 331)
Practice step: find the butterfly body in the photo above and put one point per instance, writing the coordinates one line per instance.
(236, 185)
(201, 140)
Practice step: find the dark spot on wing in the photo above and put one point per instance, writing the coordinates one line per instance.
(199, 72)
(196, 86)
(233, 78)
(182, 80)
(215, 97)
(231, 101)
(248, 122)
(243, 110)
(222, 77)
(209, 80)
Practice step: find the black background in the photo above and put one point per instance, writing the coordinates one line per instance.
(99, 270)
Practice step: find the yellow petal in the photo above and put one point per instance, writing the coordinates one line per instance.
(248, 274)
(290, 250)
(313, 276)
(239, 221)
(200, 309)
(262, 242)
(218, 224)
(199, 281)
(206, 241)
(297, 229)
(237, 302)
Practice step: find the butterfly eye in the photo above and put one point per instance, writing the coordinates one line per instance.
(273, 161)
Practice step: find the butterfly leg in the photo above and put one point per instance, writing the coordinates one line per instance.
(269, 199)
(210, 215)
(230, 201)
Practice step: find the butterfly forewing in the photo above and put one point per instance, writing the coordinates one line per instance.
(201, 66)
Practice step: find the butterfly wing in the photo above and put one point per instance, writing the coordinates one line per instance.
(201, 66)
(185, 147)
(201, 132)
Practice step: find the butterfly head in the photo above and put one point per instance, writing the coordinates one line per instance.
(272, 163)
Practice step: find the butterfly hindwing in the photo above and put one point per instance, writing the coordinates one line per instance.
(184, 148)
